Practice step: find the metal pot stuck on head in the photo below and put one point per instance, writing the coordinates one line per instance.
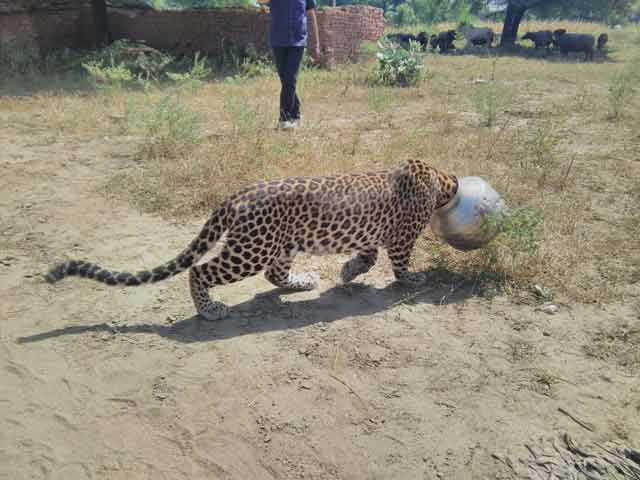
(472, 218)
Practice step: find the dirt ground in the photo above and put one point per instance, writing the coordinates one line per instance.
(367, 381)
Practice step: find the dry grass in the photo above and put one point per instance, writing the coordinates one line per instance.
(620, 342)
(551, 147)
(521, 350)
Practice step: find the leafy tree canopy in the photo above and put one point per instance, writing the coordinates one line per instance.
(608, 11)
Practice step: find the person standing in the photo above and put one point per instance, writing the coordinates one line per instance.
(288, 34)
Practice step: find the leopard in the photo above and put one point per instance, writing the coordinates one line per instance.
(268, 223)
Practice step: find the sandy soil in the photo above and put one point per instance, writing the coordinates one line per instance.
(369, 381)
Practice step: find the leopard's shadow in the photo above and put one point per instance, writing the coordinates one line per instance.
(271, 311)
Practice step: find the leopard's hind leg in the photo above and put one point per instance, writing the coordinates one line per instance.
(361, 263)
(279, 273)
(228, 267)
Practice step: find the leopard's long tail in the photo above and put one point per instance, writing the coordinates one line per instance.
(206, 239)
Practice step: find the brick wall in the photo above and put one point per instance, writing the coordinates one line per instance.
(69, 23)
(14, 6)
(55, 23)
(341, 29)
(187, 31)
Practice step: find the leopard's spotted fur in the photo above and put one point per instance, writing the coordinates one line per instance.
(269, 222)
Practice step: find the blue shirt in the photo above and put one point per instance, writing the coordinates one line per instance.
(288, 22)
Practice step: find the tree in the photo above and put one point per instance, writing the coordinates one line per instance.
(513, 16)
(612, 11)
(101, 22)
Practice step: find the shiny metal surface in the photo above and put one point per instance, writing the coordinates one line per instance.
(472, 219)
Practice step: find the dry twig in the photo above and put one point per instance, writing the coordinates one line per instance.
(582, 423)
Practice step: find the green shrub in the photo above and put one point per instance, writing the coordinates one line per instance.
(198, 72)
(125, 63)
(398, 66)
(142, 61)
(255, 66)
(120, 63)
(516, 248)
(106, 76)
(537, 153)
(245, 63)
(490, 97)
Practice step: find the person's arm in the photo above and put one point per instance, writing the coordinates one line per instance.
(314, 49)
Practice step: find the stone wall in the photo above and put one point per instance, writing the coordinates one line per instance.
(69, 23)
(43, 24)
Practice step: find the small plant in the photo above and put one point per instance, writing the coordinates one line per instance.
(539, 152)
(519, 241)
(171, 129)
(489, 97)
(246, 63)
(198, 72)
(398, 66)
(378, 100)
(144, 62)
(582, 97)
(522, 229)
(485, 100)
(125, 63)
(489, 100)
(542, 146)
(150, 65)
(620, 90)
(252, 67)
(108, 76)
(543, 381)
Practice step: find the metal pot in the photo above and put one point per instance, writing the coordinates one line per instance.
(472, 218)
